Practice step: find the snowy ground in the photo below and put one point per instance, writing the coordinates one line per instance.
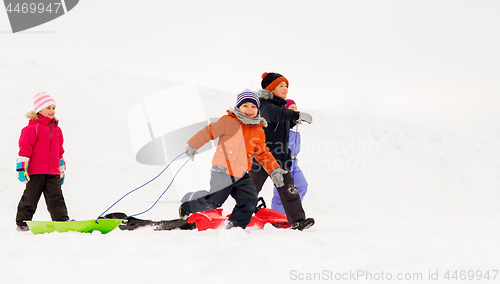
(389, 198)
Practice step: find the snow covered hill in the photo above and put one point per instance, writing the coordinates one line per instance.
(387, 196)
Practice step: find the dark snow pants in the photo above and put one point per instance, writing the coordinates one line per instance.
(50, 186)
(288, 194)
(221, 186)
(301, 185)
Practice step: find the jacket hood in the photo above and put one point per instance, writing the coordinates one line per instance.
(268, 96)
(265, 95)
(32, 115)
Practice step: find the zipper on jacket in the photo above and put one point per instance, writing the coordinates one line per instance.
(50, 144)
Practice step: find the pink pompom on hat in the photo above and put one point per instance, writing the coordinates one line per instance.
(42, 100)
(289, 102)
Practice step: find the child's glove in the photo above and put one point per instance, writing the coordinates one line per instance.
(305, 117)
(277, 176)
(22, 169)
(62, 168)
(190, 152)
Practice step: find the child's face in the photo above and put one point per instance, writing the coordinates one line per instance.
(249, 109)
(281, 90)
(49, 111)
(293, 107)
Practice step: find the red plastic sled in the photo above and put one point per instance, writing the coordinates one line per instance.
(205, 220)
(266, 215)
(213, 219)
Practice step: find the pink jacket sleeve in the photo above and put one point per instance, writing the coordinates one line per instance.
(61, 141)
(27, 142)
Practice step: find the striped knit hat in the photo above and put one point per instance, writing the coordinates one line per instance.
(42, 101)
(247, 96)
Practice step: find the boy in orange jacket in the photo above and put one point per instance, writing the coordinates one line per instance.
(241, 138)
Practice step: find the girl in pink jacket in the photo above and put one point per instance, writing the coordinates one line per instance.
(40, 164)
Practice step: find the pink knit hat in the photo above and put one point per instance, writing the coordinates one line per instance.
(289, 102)
(42, 101)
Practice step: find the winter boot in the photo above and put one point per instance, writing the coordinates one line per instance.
(183, 214)
(303, 225)
(23, 228)
(229, 225)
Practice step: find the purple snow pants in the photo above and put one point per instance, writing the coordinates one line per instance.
(300, 184)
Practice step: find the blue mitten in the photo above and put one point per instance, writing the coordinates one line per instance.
(22, 169)
(62, 169)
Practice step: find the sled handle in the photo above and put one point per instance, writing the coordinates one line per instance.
(260, 206)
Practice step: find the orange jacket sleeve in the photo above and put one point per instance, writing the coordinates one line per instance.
(263, 156)
(210, 132)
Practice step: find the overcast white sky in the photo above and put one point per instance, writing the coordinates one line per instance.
(428, 62)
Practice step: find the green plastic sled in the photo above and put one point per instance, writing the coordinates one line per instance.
(86, 226)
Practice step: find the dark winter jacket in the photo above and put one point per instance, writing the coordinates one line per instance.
(279, 120)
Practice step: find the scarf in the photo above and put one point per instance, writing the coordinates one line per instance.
(247, 120)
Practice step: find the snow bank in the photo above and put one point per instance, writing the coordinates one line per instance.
(387, 196)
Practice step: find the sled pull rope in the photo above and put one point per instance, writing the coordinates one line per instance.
(8, 185)
(161, 193)
(295, 151)
(145, 185)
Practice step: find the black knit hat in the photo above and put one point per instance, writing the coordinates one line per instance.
(271, 80)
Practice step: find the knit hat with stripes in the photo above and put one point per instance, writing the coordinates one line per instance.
(42, 101)
(247, 96)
